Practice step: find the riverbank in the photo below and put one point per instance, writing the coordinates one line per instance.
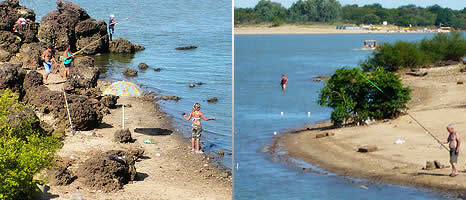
(168, 168)
(437, 100)
(303, 29)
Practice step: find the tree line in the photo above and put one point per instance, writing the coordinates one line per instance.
(331, 11)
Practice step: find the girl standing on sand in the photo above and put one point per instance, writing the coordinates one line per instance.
(196, 115)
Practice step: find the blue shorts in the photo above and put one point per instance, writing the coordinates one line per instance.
(111, 31)
(47, 66)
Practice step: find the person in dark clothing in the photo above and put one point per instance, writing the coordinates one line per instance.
(111, 26)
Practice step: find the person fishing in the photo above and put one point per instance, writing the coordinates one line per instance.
(111, 26)
(196, 116)
(454, 142)
(283, 82)
(68, 55)
(48, 58)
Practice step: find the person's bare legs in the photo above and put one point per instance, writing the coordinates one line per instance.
(284, 87)
(197, 145)
(46, 77)
(67, 71)
(192, 144)
(454, 171)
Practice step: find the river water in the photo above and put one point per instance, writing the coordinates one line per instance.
(161, 26)
(259, 62)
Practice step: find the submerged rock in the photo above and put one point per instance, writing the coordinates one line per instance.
(130, 72)
(143, 66)
(157, 69)
(212, 100)
(186, 47)
(122, 45)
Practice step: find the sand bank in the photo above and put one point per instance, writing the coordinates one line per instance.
(437, 100)
(169, 170)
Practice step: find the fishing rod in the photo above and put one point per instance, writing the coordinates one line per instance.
(406, 112)
(73, 54)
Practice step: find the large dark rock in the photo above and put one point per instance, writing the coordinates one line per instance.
(27, 32)
(109, 101)
(60, 173)
(33, 79)
(83, 74)
(70, 24)
(143, 66)
(29, 56)
(11, 76)
(107, 171)
(9, 45)
(121, 45)
(11, 11)
(122, 136)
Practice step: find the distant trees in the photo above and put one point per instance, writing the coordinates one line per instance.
(325, 11)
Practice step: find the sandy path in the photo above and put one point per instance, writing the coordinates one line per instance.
(437, 100)
(169, 169)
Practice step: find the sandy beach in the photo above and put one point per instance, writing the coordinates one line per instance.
(300, 29)
(168, 170)
(437, 100)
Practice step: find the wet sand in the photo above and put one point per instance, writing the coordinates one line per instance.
(169, 170)
(437, 100)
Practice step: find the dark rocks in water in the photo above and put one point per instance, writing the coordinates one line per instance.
(11, 11)
(157, 69)
(122, 136)
(107, 171)
(212, 100)
(186, 47)
(11, 76)
(320, 78)
(70, 24)
(122, 45)
(199, 83)
(33, 79)
(192, 85)
(130, 72)
(166, 98)
(109, 101)
(143, 66)
(83, 74)
(9, 45)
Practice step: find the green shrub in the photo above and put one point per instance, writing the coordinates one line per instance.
(441, 47)
(23, 152)
(277, 21)
(354, 99)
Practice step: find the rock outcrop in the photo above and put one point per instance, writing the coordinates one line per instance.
(12, 77)
(121, 45)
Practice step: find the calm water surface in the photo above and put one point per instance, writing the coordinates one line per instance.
(161, 26)
(259, 62)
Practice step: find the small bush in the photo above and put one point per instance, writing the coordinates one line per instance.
(277, 21)
(23, 151)
(354, 99)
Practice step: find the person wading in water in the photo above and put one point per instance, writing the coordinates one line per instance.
(196, 115)
(283, 82)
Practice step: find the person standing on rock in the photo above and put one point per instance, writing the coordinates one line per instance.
(196, 115)
(454, 144)
(68, 55)
(283, 82)
(48, 58)
(111, 26)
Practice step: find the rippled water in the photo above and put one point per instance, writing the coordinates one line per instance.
(259, 62)
(161, 26)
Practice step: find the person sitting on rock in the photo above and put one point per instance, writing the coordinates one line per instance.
(68, 55)
(454, 144)
(48, 58)
(196, 115)
(111, 26)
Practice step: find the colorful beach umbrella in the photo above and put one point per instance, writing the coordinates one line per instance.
(123, 88)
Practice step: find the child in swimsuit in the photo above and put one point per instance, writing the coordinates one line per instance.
(196, 116)
(48, 58)
(68, 59)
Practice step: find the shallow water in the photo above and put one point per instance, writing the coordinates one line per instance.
(161, 26)
(259, 62)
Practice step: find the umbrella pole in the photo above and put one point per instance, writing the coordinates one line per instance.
(123, 120)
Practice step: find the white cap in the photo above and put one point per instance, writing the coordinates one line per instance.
(111, 15)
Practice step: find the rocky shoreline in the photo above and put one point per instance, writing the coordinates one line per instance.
(111, 164)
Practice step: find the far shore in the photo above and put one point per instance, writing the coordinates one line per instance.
(437, 100)
(302, 29)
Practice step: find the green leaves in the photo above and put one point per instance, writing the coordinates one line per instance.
(23, 150)
(355, 99)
